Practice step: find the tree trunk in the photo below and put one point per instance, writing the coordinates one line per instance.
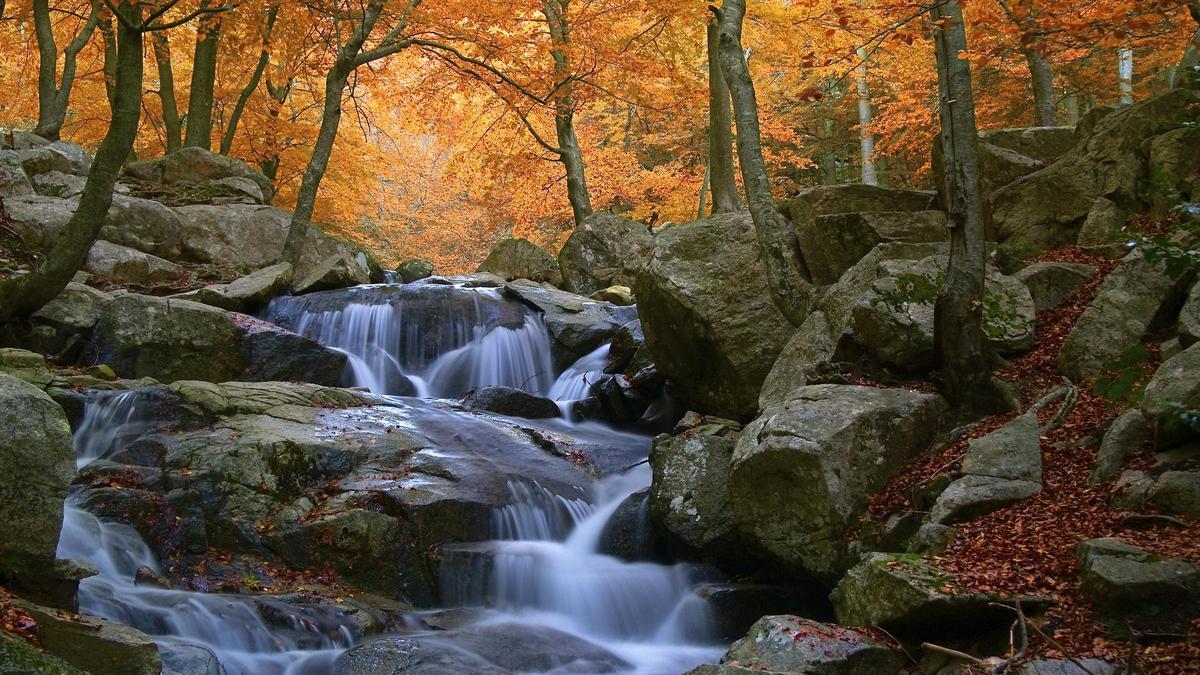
(1187, 73)
(255, 77)
(1125, 77)
(720, 138)
(1045, 104)
(866, 137)
(789, 288)
(54, 94)
(166, 92)
(198, 133)
(22, 296)
(109, 34)
(965, 355)
(569, 152)
(702, 202)
(270, 165)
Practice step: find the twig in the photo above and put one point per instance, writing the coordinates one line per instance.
(929, 646)
(915, 662)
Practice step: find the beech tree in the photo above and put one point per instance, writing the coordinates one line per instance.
(54, 92)
(199, 128)
(720, 138)
(1041, 72)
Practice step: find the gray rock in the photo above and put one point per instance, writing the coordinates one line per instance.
(414, 270)
(972, 496)
(1129, 303)
(245, 294)
(577, 325)
(1067, 667)
(71, 315)
(236, 190)
(790, 644)
(512, 402)
(339, 270)
(809, 351)
(1189, 318)
(36, 466)
(62, 185)
(1041, 143)
(932, 539)
(522, 259)
(711, 326)
(143, 336)
(13, 181)
(56, 156)
(836, 242)
(38, 220)
(1173, 159)
(1105, 224)
(1013, 451)
(121, 265)
(689, 495)
(1172, 397)
(802, 472)
(605, 250)
(192, 166)
(25, 365)
(99, 646)
(183, 658)
(1125, 436)
(1053, 283)
(1127, 583)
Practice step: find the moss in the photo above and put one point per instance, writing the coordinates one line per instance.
(18, 656)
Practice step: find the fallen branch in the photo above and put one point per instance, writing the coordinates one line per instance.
(1069, 393)
(1140, 521)
(929, 646)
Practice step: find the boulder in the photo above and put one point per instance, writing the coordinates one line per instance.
(735, 607)
(414, 270)
(1172, 398)
(1044, 144)
(1013, 452)
(1104, 224)
(245, 294)
(1067, 667)
(1128, 584)
(802, 472)
(630, 535)
(836, 242)
(95, 645)
(38, 220)
(18, 656)
(521, 259)
(191, 166)
(577, 325)
(1052, 283)
(617, 295)
(65, 185)
(1174, 166)
(998, 166)
(512, 402)
(121, 265)
(142, 224)
(604, 250)
(25, 365)
(909, 596)
(791, 644)
(13, 181)
(1136, 297)
(1125, 436)
(71, 315)
(972, 496)
(1189, 318)
(711, 326)
(167, 339)
(1045, 209)
(689, 496)
(36, 466)
(56, 156)
(808, 353)
(339, 270)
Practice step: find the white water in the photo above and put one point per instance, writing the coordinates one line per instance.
(545, 569)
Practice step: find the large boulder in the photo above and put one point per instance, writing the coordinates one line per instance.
(1044, 144)
(791, 644)
(1046, 209)
(36, 466)
(414, 270)
(13, 181)
(121, 265)
(689, 495)
(1131, 587)
(577, 325)
(1127, 434)
(1052, 283)
(710, 324)
(837, 241)
(97, 646)
(1172, 398)
(605, 250)
(809, 352)
(802, 472)
(167, 339)
(1189, 318)
(998, 166)
(339, 270)
(1175, 166)
(512, 402)
(56, 156)
(192, 166)
(245, 294)
(1136, 297)
(522, 259)
(999, 469)
(70, 317)
(145, 225)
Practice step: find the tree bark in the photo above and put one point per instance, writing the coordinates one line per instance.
(866, 138)
(264, 57)
(964, 353)
(1187, 73)
(22, 296)
(109, 35)
(198, 133)
(166, 92)
(54, 94)
(790, 290)
(720, 138)
(569, 152)
(1045, 104)
(1125, 76)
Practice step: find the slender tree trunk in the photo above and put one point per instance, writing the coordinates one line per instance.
(965, 355)
(702, 202)
(198, 133)
(109, 34)
(1186, 74)
(54, 94)
(22, 296)
(866, 139)
(264, 57)
(781, 254)
(1045, 104)
(270, 165)
(720, 138)
(1125, 77)
(166, 92)
(569, 151)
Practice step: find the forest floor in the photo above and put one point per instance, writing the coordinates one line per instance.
(1028, 549)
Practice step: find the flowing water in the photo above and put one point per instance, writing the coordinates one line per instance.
(544, 568)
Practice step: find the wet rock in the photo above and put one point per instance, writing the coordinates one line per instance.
(1137, 296)
(790, 644)
(511, 401)
(522, 259)
(737, 607)
(711, 326)
(99, 646)
(630, 535)
(245, 294)
(36, 466)
(120, 265)
(1053, 283)
(802, 472)
(1172, 396)
(182, 658)
(1127, 583)
(577, 325)
(414, 270)
(1125, 436)
(340, 270)
(605, 250)
(689, 495)
(143, 336)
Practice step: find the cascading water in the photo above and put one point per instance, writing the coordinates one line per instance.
(544, 570)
